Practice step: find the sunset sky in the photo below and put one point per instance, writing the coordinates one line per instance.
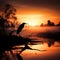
(35, 42)
(35, 12)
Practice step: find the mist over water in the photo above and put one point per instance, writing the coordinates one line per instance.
(35, 31)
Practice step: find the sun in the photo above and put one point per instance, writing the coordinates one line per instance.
(31, 19)
(32, 23)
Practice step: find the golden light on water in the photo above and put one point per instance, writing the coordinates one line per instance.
(44, 52)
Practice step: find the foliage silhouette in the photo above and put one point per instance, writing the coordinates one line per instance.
(19, 57)
(58, 24)
(8, 14)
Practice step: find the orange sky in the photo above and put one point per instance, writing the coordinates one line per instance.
(36, 16)
(36, 11)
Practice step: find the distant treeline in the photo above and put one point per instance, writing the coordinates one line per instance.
(49, 23)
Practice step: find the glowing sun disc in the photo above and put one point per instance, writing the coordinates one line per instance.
(32, 23)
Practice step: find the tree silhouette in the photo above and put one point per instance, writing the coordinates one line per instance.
(9, 11)
(7, 15)
(49, 23)
(42, 24)
(58, 24)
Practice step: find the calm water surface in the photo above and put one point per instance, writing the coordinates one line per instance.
(49, 49)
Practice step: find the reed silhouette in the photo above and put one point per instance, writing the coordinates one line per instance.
(19, 57)
(27, 47)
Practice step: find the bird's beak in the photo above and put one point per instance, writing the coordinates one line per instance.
(25, 23)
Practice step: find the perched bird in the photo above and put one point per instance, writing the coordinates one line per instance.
(20, 28)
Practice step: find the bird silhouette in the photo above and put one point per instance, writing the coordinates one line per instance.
(20, 28)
